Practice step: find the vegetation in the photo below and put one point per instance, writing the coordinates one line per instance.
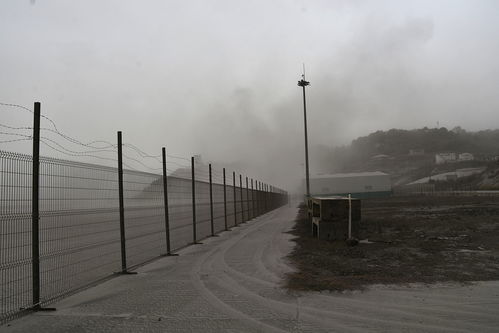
(397, 142)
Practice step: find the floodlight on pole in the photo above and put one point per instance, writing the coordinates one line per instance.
(303, 83)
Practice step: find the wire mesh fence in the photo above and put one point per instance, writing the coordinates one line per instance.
(144, 216)
(441, 189)
(78, 214)
(79, 221)
(15, 235)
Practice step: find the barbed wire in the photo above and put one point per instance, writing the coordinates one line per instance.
(178, 164)
(16, 134)
(15, 140)
(56, 130)
(56, 146)
(77, 152)
(69, 152)
(16, 128)
(86, 155)
(75, 141)
(142, 153)
(179, 157)
(31, 111)
(89, 153)
(144, 165)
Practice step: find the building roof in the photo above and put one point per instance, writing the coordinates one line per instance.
(350, 175)
(333, 197)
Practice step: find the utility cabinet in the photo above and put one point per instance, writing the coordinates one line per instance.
(330, 217)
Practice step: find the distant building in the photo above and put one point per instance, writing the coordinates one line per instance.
(416, 152)
(360, 185)
(442, 158)
(379, 157)
(466, 157)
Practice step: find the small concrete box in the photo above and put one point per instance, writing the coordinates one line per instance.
(330, 217)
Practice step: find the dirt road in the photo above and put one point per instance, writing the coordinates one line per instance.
(232, 283)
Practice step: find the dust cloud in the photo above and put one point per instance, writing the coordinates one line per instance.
(219, 78)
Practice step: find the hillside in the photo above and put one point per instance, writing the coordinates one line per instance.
(409, 155)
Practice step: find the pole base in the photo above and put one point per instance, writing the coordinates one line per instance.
(170, 255)
(38, 308)
(44, 309)
(126, 273)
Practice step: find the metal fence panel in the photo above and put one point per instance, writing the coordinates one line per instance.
(15, 233)
(218, 208)
(144, 216)
(180, 207)
(79, 226)
(203, 217)
(80, 223)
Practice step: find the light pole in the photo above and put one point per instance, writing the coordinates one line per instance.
(302, 83)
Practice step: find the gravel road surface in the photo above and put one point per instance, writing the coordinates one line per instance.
(232, 283)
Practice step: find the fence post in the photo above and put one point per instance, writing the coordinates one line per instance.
(122, 206)
(268, 197)
(35, 213)
(260, 197)
(225, 204)
(265, 197)
(241, 195)
(35, 240)
(252, 199)
(257, 187)
(267, 205)
(194, 240)
(121, 203)
(211, 203)
(235, 197)
(167, 215)
(247, 201)
(272, 197)
(264, 203)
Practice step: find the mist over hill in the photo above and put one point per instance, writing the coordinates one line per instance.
(398, 143)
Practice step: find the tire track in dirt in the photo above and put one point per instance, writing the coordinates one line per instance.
(348, 314)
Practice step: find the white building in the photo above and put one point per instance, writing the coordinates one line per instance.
(362, 184)
(466, 157)
(442, 158)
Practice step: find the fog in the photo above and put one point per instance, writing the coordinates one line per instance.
(218, 78)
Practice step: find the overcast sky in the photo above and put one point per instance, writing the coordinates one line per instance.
(218, 78)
